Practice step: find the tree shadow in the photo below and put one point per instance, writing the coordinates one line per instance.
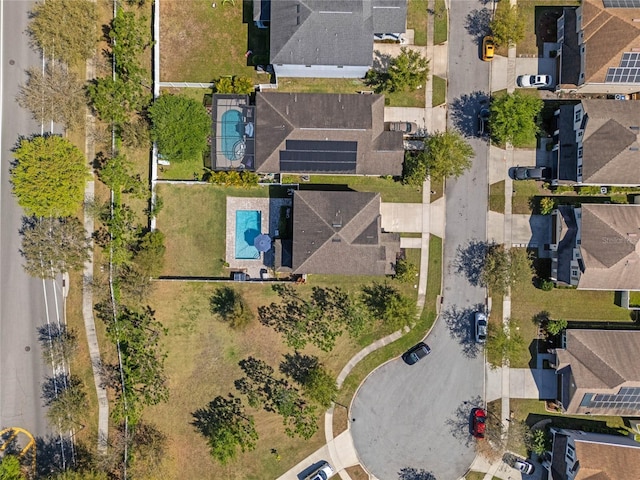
(410, 473)
(53, 386)
(298, 366)
(54, 455)
(460, 422)
(381, 61)
(464, 112)
(477, 24)
(470, 260)
(461, 328)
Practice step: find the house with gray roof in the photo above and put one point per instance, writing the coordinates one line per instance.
(597, 247)
(338, 233)
(579, 455)
(329, 38)
(318, 133)
(598, 143)
(595, 374)
(599, 47)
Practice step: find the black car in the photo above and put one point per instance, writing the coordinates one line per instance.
(416, 353)
(531, 173)
(483, 120)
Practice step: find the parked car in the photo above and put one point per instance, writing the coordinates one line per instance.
(483, 121)
(393, 37)
(530, 173)
(404, 127)
(323, 472)
(416, 353)
(481, 327)
(478, 421)
(535, 81)
(524, 466)
(488, 48)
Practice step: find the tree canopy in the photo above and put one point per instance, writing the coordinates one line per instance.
(386, 304)
(507, 25)
(503, 343)
(10, 468)
(65, 29)
(51, 246)
(407, 71)
(513, 118)
(503, 268)
(180, 127)
(55, 95)
(49, 176)
(229, 305)
(226, 427)
(446, 154)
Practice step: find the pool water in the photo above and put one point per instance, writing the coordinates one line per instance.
(232, 143)
(247, 229)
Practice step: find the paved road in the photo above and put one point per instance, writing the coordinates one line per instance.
(22, 299)
(412, 420)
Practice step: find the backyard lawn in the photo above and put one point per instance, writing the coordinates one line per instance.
(414, 98)
(199, 43)
(390, 190)
(193, 220)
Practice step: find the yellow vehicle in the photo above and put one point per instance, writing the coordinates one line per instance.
(488, 48)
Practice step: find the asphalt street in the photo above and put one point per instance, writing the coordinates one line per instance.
(24, 303)
(409, 421)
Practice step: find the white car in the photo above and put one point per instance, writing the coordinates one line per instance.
(535, 81)
(323, 472)
(524, 466)
(481, 327)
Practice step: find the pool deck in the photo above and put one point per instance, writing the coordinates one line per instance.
(270, 209)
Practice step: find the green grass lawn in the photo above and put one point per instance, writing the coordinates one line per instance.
(439, 91)
(202, 363)
(396, 348)
(417, 20)
(200, 43)
(193, 220)
(527, 46)
(496, 197)
(587, 307)
(414, 98)
(524, 192)
(390, 190)
(440, 23)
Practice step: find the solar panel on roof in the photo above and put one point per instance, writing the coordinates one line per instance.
(623, 75)
(322, 145)
(319, 156)
(621, 3)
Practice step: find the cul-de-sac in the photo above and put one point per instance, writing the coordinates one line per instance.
(320, 239)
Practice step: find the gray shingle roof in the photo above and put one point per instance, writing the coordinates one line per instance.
(610, 247)
(321, 117)
(339, 233)
(331, 32)
(611, 147)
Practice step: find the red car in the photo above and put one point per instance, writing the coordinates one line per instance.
(479, 420)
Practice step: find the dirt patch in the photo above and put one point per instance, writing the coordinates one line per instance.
(340, 420)
(357, 473)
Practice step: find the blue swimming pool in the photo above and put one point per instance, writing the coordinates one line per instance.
(232, 126)
(247, 229)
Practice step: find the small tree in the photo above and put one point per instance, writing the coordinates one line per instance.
(406, 271)
(230, 306)
(68, 409)
(52, 246)
(320, 386)
(115, 100)
(513, 118)
(414, 169)
(387, 304)
(507, 25)
(49, 176)
(495, 271)
(10, 468)
(55, 95)
(65, 29)
(447, 154)
(547, 205)
(555, 327)
(407, 71)
(538, 442)
(226, 427)
(503, 343)
(180, 127)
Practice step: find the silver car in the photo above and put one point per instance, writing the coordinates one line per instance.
(323, 472)
(481, 327)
